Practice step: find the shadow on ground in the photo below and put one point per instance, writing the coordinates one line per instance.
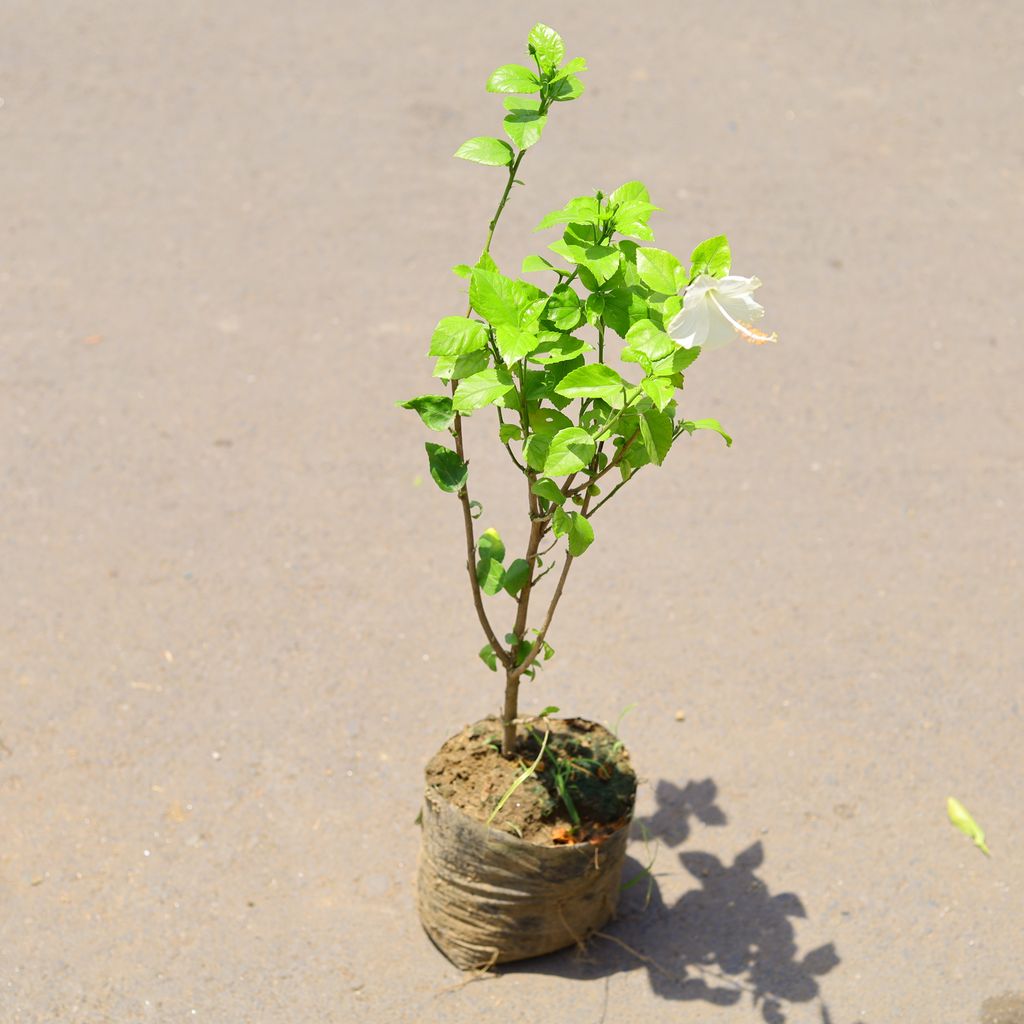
(727, 940)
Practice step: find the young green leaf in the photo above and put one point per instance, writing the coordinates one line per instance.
(581, 210)
(457, 335)
(462, 270)
(509, 432)
(569, 452)
(660, 270)
(660, 390)
(447, 469)
(535, 451)
(486, 150)
(482, 389)
(960, 817)
(711, 257)
(489, 658)
(524, 123)
(576, 526)
(648, 340)
(676, 362)
(457, 367)
(489, 574)
(714, 425)
(534, 263)
(435, 410)
(516, 576)
(558, 348)
(513, 343)
(546, 45)
(593, 381)
(563, 309)
(565, 88)
(494, 297)
(572, 67)
(513, 78)
(490, 545)
(549, 490)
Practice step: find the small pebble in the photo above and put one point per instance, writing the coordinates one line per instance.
(680, 716)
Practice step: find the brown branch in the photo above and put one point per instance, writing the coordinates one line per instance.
(467, 516)
(607, 469)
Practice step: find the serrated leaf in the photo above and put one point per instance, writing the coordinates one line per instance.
(516, 576)
(570, 451)
(435, 410)
(660, 390)
(513, 343)
(481, 389)
(549, 490)
(659, 270)
(711, 257)
(494, 297)
(656, 434)
(524, 121)
(582, 210)
(558, 348)
(509, 432)
(573, 67)
(593, 381)
(566, 88)
(447, 469)
(675, 363)
(576, 527)
(563, 309)
(457, 335)
(646, 338)
(456, 367)
(486, 150)
(535, 451)
(546, 44)
(513, 78)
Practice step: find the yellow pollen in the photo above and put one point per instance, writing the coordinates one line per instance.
(754, 336)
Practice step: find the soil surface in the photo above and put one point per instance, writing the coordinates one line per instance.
(584, 768)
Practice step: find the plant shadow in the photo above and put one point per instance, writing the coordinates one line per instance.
(727, 940)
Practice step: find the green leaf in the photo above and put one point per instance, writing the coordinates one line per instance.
(486, 150)
(533, 263)
(576, 526)
(513, 343)
(481, 389)
(524, 125)
(462, 270)
(513, 78)
(547, 488)
(564, 89)
(575, 247)
(535, 451)
(435, 410)
(494, 297)
(581, 210)
(570, 451)
(660, 390)
(656, 434)
(572, 67)
(548, 422)
(516, 576)
(593, 381)
(660, 270)
(488, 657)
(457, 335)
(960, 817)
(558, 348)
(623, 307)
(675, 363)
(490, 545)
(552, 710)
(456, 367)
(486, 262)
(509, 432)
(645, 338)
(489, 574)
(714, 425)
(631, 191)
(447, 469)
(711, 257)
(564, 309)
(546, 45)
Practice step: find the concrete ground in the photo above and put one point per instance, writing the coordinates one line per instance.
(234, 627)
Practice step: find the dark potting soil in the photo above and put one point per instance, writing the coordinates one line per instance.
(584, 770)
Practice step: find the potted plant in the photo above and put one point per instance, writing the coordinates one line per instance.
(526, 817)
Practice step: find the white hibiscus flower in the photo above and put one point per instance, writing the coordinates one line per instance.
(715, 310)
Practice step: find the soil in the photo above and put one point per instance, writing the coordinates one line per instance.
(584, 768)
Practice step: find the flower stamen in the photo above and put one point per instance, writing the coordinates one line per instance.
(745, 331)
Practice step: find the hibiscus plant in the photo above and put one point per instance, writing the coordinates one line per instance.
(575, 427)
